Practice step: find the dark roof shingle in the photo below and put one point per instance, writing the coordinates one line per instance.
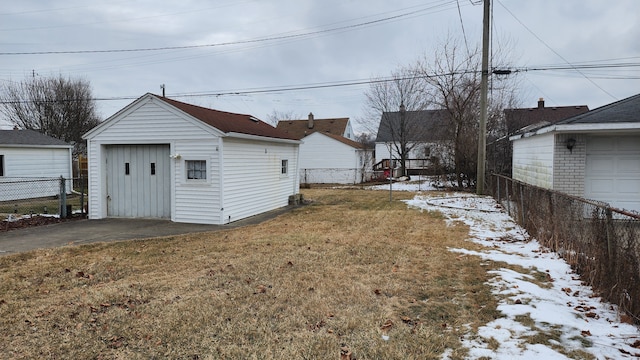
(28, 137)
(517, 119)
(622, 111)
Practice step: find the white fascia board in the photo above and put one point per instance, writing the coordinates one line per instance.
(36, 146)
(261, 138)
(598, 127)
(564, 128)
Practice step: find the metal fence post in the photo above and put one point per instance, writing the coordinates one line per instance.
(522, 206)
(81, 195)
(63, 197)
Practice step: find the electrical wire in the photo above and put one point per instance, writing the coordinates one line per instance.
(362, 82)
(238, 42)
(555, 52)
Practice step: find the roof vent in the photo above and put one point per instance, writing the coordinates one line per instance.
(254, 119)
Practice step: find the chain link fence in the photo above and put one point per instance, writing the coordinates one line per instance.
(60, 197)
(601, 243)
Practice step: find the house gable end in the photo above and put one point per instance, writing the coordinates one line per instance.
(138, 106)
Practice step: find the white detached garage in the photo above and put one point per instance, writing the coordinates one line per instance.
(595, 155)
(161, 158)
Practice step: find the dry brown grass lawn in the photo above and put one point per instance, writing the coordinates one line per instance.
(330, 277)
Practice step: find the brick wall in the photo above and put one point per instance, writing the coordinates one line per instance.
(569, 166)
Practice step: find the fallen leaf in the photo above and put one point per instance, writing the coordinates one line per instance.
(387, 325)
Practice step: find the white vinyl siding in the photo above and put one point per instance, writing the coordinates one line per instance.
(27, 162)
(329, 161)
(253, 182)
(30, 163)
(533, 160)
(198, 201)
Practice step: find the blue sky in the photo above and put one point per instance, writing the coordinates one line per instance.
(223, 48)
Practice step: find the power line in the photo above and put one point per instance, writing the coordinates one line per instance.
(360, 82)
(555, 52)
(239, 42)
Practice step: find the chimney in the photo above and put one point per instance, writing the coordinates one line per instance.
(540, 103)
(310, 122)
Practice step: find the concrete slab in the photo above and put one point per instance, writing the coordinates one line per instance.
(84, 231)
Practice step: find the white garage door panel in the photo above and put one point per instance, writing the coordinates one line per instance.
(138, 182)
(628, 187)
(601, 186)
(629, 165)
(613, 170)
(600, 164)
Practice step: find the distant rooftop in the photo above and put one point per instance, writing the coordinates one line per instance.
(301, 128)
(517, 119)
(29, 137)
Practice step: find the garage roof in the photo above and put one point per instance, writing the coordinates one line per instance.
(229, 122)
(623, 111)
(29, 137)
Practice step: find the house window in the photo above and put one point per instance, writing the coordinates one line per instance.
(126, 168)
(153, 168)
(284, 170)
(196, 169)
(1, 165)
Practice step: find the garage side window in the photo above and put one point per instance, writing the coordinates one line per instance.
(196, 169)
(284, 170)
(1, 165)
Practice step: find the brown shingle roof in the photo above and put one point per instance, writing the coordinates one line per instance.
(344, 140)
(300, 128)
(229, 122)
(517, 119)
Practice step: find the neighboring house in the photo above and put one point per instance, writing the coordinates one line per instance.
(161, 158)
(500, 151)
(517, 119)
(426, 134)
(333, 159)
(27, 156)
(301, 128)
(595, 155)
(328, 153)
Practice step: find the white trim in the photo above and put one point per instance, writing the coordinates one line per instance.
(600, 127)
(261, 138)
(36, 146)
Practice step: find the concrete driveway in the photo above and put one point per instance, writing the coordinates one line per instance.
(84, 231)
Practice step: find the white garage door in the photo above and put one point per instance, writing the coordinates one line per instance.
(138, 181)
(613, 170)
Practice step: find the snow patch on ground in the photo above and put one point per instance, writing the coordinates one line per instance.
(563, 306)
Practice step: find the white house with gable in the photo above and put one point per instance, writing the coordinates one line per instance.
(161, 158)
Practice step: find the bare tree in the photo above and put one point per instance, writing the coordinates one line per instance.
(60, 107)
(396, 103)
(452, 82)
(276, 116)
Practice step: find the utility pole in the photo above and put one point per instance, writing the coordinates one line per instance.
(484, 89)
